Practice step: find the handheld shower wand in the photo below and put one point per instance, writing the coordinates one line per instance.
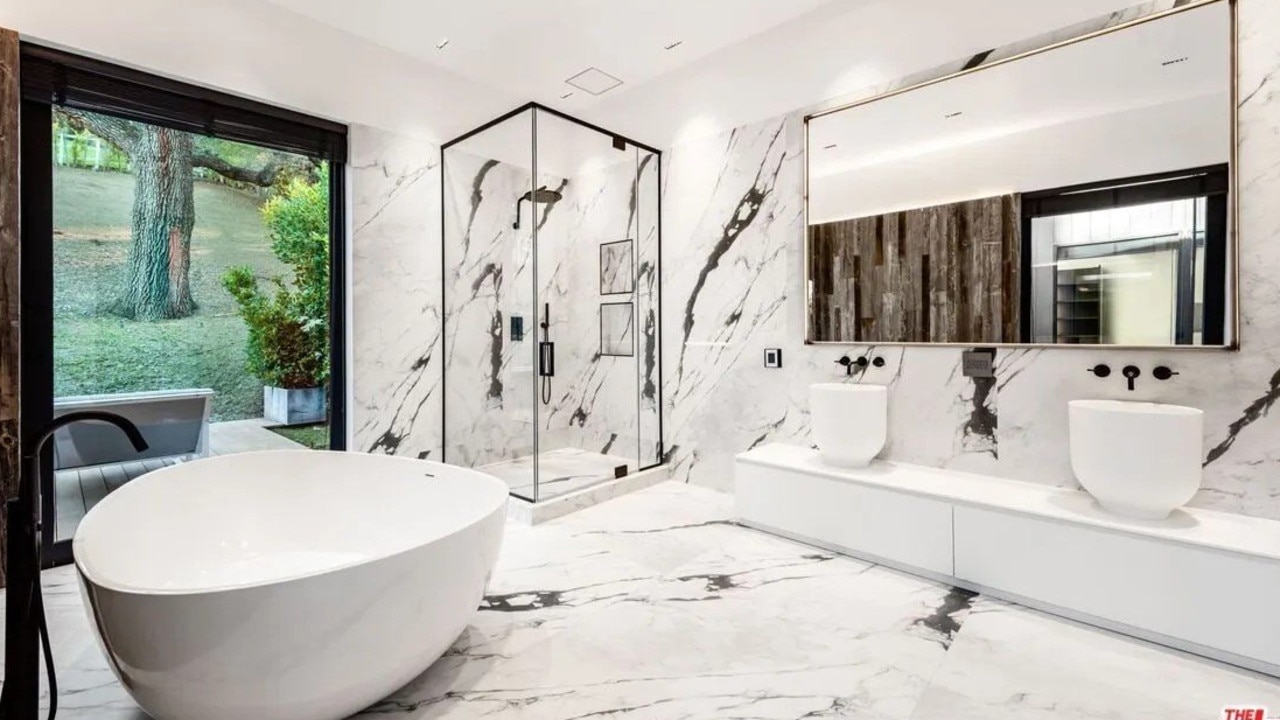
(546, 355)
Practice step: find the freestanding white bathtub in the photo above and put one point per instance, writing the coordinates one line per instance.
(290, 585)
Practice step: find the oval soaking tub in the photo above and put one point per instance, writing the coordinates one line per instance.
(290, 585)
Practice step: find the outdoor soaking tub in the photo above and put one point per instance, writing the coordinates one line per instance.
(291, 585)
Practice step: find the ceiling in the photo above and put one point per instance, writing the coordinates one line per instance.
(529, 49)
(564, 149)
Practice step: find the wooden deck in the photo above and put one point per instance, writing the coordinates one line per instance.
(77, 491)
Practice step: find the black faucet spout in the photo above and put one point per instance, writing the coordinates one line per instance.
(849, 364)
(1131, 373)
(126, 426)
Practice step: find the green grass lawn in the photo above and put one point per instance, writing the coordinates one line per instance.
(315, 437)
(97, 352)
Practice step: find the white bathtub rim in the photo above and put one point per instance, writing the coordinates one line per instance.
(98, 582)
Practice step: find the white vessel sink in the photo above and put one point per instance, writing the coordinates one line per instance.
(1139, 460)
(850, 422)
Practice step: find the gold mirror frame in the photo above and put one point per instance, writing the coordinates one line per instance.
(1233, 233)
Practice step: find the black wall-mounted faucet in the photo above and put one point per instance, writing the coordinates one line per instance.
(849, 364)
(860, 363)
(1131, 373)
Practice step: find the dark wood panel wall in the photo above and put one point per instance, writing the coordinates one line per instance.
(948, 273)
(10, 266)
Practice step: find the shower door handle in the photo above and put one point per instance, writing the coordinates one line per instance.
(547, 359)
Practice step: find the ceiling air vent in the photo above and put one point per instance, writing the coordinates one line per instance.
(596, 82)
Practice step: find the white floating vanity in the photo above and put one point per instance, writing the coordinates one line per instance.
(1202, 581)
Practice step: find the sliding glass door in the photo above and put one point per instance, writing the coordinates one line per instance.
(184, 280)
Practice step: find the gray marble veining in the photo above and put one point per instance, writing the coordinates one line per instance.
(734, 285)
(656, 605)
(396, 320)
(590, 274)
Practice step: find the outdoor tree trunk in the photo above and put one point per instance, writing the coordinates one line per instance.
(157, 282)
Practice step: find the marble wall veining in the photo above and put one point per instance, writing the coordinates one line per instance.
(598, 401)
(588, 400)
(396, 273)
(488, 280)
(734, 285)
(398, 396)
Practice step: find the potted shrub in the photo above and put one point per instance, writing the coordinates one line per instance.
(288, 347)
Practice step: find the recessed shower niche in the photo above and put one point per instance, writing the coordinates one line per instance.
(535, 205)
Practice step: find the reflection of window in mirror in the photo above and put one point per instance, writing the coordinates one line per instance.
(1136, 261)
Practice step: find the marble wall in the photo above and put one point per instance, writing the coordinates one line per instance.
(489, 395)
(734, 285)
(10, 281)
(493, 397)
(732, 245)
(398, 397)
(397, 324)
(603, 399)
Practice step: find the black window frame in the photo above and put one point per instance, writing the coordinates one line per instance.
(52, 77)
(1212, 182)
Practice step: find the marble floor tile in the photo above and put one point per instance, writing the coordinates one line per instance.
(87, 689)
(560, 471)
(1012, 663)
(764, 628)
(661, 527)
(656, 606)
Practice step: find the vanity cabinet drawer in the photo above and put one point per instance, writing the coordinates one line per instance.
(1204, 596)
(899, 528)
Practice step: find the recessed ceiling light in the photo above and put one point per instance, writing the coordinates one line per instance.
(955, 114)
(444, 43)
(673, 45)
(1174, 61)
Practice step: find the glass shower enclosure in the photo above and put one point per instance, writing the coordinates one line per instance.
(551, 303)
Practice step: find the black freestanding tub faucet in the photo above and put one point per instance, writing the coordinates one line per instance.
(25, 626)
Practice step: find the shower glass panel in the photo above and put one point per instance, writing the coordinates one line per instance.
(552, 347)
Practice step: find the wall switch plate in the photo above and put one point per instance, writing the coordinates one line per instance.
(979, 363)
(773, 358)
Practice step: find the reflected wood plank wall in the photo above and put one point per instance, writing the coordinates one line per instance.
(948, 273)
(10, 296)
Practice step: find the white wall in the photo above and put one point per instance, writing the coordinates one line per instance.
(257, 50)
(837, 51)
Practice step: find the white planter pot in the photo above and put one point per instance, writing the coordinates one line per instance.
(294, 407)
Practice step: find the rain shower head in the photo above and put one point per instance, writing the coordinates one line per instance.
(541, 196)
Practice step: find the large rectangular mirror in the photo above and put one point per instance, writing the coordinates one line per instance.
(1077, 195)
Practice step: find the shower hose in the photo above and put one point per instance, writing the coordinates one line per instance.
(35, 603)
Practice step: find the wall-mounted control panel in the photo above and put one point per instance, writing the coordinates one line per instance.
(979, 363)
(773, 358)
